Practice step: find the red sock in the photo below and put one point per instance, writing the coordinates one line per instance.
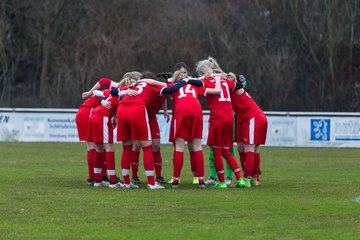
(178, 163)
(135, 162)
(110, 164)
(104, 168)
(90, 163)
(199, 160)
(98, 165)
(232, 162)
(242, 160)
(193, 163)
(218, 163)
(249, 164)
(149, 164)
(125, 163)
(256, 171)
(158, 162)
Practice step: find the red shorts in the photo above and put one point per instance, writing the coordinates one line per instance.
(188, 127)
(100, 129)
(154, 128)
(132, 123)
(251, 130)
(220, 134)
(82, 122)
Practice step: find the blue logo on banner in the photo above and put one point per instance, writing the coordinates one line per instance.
(320, 129)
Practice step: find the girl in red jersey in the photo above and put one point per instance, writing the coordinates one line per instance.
(221, 120)
(184, 72)
(110, 84)
(82, 123)
(83, 116)
(133, 126)
(153, 108)
(251, 125)
(100, 132)
(188, 125)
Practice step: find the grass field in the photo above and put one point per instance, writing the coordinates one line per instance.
(306, 193)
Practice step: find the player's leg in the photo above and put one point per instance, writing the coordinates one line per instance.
(178, 160)
(227, 143)
(126, 161)
(193, 162)
(146, 146)
(240, 148)
(90, 162)
(228, 170)
(230, 159)
(104, 175)
(135, 153)
(219, 166)
(157, 160)
(199, 160)
(213, 175)
(255, 180)
(260, 123)
(249, 163)
(98, 162)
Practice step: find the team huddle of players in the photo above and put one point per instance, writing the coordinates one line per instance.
(131, 106)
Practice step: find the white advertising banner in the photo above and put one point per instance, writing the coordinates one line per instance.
(38, 127)
(290, 129)
(281, 131)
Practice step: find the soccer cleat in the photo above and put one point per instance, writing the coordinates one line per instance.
(99, 184)
(119, 180)
(210, 181)
(258, 180)
(160, 180)
(247, 182)
(240, 183)
(195, 180)
(90, 182)
(255, 181)
(105, 181)
(228, 181)
(135, 180)
(116, 185)
(156, 186)
(219, 185)
(131, 186)
(202, 185)
(172, 180)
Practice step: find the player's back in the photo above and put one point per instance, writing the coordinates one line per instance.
(91, 102)
(220, 104)
(244, 104)
(145, 91)
(186, 100)
(113, 100)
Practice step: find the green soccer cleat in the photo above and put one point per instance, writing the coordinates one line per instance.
(255, 181)
(219, 185)
(240, 183)
(172, 180)
(195, 180)
(247, 182)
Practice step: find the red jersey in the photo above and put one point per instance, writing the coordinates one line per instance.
(108, 83)
(155, 105)
(91, 102)
(186, 100)
(113, 100)
(220, 104)
(146, 92)
(244, 105)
